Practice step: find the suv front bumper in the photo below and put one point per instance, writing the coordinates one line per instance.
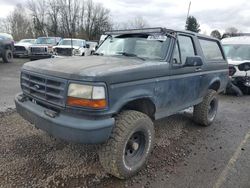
(65, 125)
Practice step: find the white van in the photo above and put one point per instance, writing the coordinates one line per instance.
(237, 50)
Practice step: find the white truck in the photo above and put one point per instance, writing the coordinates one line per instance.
(72, 47)
(237, 50)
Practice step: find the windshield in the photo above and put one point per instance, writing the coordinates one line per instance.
(237, 52)
(74, 42)
(44, 40)
(27, 41)
(144, 46)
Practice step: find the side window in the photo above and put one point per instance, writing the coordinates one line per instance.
(211, 50)
(176, 55)
(186, 47)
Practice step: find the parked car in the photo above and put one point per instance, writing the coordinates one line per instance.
(6, 47)
(43, 47)
(237, 50)
(113, 97)
(21, 49)
(92, 46)
(75, 47)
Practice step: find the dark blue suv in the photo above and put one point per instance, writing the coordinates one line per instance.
(113, 97)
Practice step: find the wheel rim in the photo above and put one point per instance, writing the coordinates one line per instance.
(9, 56)
(135, 148)
(212, 110)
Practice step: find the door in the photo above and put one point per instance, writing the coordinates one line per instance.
(183, 87)
(185, 82)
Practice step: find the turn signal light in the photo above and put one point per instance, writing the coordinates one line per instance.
(92, 103)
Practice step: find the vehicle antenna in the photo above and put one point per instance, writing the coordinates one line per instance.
(71, 41)
(189, 6)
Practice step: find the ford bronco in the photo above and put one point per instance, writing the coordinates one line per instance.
(113, 97)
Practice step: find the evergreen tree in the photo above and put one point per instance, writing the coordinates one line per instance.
(192, 24)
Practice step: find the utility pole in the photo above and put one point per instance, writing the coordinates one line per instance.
(189, 6)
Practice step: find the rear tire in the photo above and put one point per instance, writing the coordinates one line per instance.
(7, 56)
(129, 146)
(205, 112)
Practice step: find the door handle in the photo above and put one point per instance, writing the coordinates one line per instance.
(198, 69)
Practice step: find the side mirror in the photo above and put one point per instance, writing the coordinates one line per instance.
(194, 61)
(244, 66)
(87, 46)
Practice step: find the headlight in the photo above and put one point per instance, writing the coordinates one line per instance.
(75, 51)
(86, 96)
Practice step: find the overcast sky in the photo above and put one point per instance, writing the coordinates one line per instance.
(211, 14)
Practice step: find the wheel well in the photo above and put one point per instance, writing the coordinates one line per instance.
(7, 47)
(144, 105)
(215, 86)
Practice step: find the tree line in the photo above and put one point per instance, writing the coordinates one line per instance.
(193, 25)
(77, 19)
(65, 18)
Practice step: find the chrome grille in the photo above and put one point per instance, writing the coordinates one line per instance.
(38, 49)
(19, 48)
(64, 51)
(44, 88)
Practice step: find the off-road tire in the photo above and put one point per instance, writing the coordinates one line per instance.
(201, 111)
(7, 56)
(112, 154)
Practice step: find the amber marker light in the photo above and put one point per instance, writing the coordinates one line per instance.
(98, 104)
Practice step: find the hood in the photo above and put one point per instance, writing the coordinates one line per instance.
(238, 72)
(25, 44)
(41, 45)
(233, 62)
(97, 68)
(67, 46)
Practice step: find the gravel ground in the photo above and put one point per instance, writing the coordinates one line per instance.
(9, 82)
(29, 157)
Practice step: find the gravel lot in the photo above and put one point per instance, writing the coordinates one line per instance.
(184, 155)
(9, 82)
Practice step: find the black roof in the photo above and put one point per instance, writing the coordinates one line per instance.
(157, 30)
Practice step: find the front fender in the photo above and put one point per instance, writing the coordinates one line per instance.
(122, 95)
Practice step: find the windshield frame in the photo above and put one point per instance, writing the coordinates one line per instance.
(165, 57)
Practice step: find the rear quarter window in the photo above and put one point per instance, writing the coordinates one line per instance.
(211, 50)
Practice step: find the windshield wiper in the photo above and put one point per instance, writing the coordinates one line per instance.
(130, 55)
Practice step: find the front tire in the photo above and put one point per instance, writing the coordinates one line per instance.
(129, 146)
(205, 112)
(7, 56)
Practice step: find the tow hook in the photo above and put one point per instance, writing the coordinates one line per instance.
(22, 98)
(51, 113)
